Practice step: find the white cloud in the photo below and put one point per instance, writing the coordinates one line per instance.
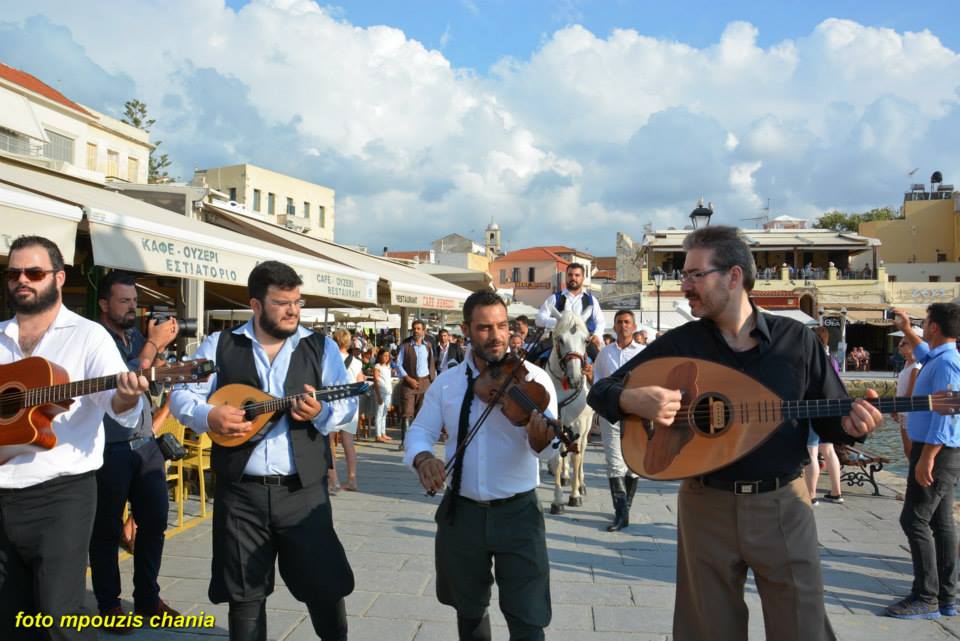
(588, 136)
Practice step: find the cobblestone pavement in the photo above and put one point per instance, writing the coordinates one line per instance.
(605, 587)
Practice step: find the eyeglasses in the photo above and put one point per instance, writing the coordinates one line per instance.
(33, 274)
(696, 277)
(288, 303)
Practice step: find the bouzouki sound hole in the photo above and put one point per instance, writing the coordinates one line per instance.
(711, 414)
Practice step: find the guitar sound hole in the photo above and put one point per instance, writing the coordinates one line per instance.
(11, 402)
(711, 414)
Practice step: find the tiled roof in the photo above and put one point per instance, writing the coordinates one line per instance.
(531, 253)
(25, 80)
(422, 254)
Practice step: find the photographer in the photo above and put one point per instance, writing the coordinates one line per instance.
(133, 466)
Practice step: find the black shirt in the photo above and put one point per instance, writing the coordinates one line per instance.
(789, 360)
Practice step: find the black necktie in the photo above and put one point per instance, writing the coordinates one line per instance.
(462, 430)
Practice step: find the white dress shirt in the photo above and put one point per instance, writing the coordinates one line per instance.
(575, 304)
(85, 350)
(611, 358)
(499, 462)
(274, 453)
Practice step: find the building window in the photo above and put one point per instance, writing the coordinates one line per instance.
(91, 156)
(233, 194)
(891, 278)
(531, 274)
(515, 276)
(933, 279)
(941, 257)
(306, 209)
(113, 164)
(133, 169)
(291, 210)
(256, 200)
(322, 212)
(59, 148)
(271, 203)
(503, 275)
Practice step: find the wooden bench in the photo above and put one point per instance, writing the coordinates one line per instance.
(859, 467)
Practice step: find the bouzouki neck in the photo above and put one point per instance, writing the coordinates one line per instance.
(331, 393)
(825, 408)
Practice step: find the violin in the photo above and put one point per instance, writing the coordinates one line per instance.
(504, 383)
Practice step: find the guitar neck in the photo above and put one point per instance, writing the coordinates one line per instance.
(66, 391)
(824, 408)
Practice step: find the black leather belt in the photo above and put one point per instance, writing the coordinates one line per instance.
(750, 487)
(496, 502)
(133, 444)
(275, 479)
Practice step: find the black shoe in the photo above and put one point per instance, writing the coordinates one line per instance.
(621, 517)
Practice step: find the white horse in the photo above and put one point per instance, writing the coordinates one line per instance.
(565, 367)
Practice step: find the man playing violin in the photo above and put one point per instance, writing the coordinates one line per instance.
(271, 501)
(756, 512)
(490, 511)
(48, 498)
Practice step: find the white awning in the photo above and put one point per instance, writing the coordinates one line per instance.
(795, 314)
(405, 286)
(24, 213)
(127, 233)
(18, 115)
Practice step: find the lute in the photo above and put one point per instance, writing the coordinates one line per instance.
(260, 407)
(34, 390)
(725, 415)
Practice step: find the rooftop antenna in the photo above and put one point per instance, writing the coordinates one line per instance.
(765, 217)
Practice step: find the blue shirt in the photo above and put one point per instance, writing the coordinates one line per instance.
(941, 369)
(130, 351)
(423, 361)
(273, 454)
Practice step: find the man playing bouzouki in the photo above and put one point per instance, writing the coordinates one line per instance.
(754, 513)
(271, 500)
(48, 498)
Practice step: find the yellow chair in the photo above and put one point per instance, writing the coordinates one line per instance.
(175, 468)
(198, 458)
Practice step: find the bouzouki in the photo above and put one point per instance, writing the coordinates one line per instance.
(725, 414)
(34, 390)
(260, 407)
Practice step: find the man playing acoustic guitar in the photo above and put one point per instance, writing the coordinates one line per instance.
(48, 498)
(756, 512)
(271, 500)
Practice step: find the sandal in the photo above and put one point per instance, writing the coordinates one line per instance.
(351, 485)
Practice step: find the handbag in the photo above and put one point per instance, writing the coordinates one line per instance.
(170, 447)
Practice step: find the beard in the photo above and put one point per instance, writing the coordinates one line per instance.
(711, 303)
(42, 301)
(273, 328)
(126, 321)
(572, 286)
(492, 351)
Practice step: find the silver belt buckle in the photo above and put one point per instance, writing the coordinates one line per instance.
(746, 487)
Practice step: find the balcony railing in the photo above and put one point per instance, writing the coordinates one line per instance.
(18, 145)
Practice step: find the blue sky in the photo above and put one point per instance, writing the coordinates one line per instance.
(566, 122)
(480, 32)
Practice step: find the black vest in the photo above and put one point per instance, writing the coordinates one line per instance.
(235, 364)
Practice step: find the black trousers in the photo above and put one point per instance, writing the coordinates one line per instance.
(140, 477)
(927, 520)
(509, 537)
(44, 534)
(256, 527)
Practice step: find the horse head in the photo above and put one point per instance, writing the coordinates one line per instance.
(570, 338)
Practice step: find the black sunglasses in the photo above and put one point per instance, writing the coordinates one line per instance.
(33, 274)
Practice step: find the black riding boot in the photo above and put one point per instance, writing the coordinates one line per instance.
(404, 424)
(619, 493)
(473, 629)
(630, 482)
(329, 620)
(248, 620)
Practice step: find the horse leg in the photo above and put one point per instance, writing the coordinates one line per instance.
(556, 507)
(575, 499)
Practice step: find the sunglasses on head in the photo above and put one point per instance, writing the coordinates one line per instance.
(33, 274)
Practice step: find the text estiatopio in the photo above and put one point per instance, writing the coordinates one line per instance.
(83, 621)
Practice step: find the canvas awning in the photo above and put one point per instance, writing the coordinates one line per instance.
(22, 212)
(127, 233)
(401, 286)
(18, 116)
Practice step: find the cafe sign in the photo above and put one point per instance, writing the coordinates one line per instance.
(402, 297)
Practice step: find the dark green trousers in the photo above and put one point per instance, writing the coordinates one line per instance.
(508, 537)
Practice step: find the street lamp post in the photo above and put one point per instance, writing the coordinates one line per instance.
(658, 281)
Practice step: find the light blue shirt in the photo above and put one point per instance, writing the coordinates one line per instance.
(423, 360)
(273, 454)
(941, 369)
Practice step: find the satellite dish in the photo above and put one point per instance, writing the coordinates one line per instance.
(937, 177)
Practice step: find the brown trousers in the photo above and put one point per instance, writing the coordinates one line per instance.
(720, 536)
(411, 400)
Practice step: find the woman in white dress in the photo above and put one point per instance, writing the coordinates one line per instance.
(347, 431)
(383, 392)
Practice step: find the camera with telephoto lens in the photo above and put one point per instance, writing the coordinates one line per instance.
(162, 313)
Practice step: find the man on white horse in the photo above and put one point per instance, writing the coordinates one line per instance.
(623, 482)
(576, 300)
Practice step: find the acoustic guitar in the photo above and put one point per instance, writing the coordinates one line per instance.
(725, 415)
(34, 390)
(260, 407)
